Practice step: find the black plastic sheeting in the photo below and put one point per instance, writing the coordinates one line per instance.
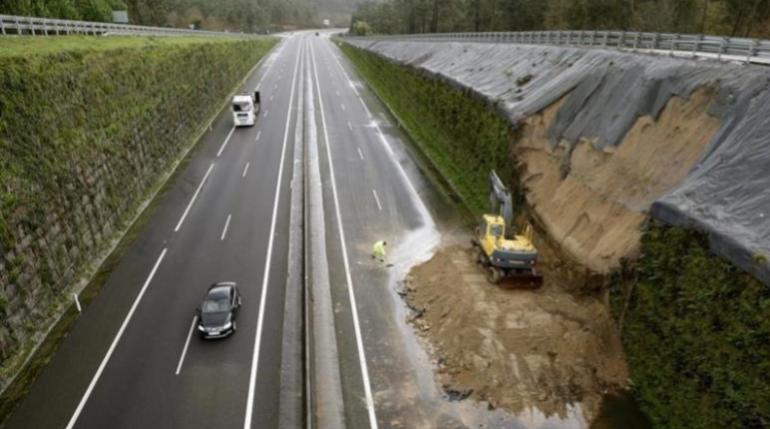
(726, 194)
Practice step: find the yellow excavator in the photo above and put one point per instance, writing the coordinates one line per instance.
(497, 248)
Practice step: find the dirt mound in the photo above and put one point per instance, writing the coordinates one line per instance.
(514, 349)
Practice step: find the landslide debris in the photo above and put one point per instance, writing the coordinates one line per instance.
(514, 349)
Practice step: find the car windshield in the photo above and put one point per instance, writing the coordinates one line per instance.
(215, 305)
(241, 107)
(496, 230)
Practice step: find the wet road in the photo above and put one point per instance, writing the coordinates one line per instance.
(230, 215)
(130, 360)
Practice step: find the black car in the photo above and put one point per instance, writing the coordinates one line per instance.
(216, 316)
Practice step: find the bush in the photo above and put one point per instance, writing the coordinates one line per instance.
(697, 336)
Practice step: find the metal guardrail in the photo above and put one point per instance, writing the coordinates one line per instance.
(742, 49)
(32, 26)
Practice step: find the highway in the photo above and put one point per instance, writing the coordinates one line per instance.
(133, 360)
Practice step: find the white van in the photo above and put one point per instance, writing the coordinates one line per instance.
(245, 109)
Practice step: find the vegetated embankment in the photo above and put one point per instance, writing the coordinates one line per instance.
(88, 128)
(637, 167)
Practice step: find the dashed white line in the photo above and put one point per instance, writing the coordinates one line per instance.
(343, 106)
(271, 97)
(377, 199)
(192, 200)
(227, 225)
(360, 154)
(350, 126)
(224, 143)
(114, 344)
(259, 134)
(245, 170)
(346, 263)
(266, 277)
(186, 344)
(267, 112)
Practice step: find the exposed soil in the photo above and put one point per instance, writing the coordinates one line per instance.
(515, 348)
(592, 201)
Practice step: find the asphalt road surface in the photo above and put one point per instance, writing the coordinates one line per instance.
(133, 360)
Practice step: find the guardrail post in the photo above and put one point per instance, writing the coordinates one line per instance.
(674, 43)
(655, 40)
(2, 26)
(696, 45)
(637, 39)
(753, 50)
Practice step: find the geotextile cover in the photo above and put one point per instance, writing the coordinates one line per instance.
(727, 192)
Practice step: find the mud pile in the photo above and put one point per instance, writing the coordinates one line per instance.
(514, 349)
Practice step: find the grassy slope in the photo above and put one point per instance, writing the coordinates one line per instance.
(34, 45)
(463, 137)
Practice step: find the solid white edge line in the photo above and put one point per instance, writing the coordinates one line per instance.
(420, 203)
(186, 344)
(345, 261)
(245, 169)
(114, 344)
(268, 258)
(360, 154)
(377, 199)
(259, 134)
(224, 230)
(224, 143)
(192, 200)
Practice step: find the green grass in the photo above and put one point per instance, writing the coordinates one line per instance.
(35, 45)
(464, 138)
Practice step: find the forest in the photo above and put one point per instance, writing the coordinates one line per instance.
(220, 15)
(737, 18)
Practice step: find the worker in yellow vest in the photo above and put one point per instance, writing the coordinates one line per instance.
(378, 250)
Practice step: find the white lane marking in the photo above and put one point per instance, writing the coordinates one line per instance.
(360, 154)
(343, 106)
(227, 225)
(377, 199)
(267, 112)
(345, 261)
(350, 126)
(271, 97)
(416, 196)
(114, 344)
(224, 143)
(245, 170)
(192, 200)
(337, 92)
(268, 258)
(186, 344)
(259, 134)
